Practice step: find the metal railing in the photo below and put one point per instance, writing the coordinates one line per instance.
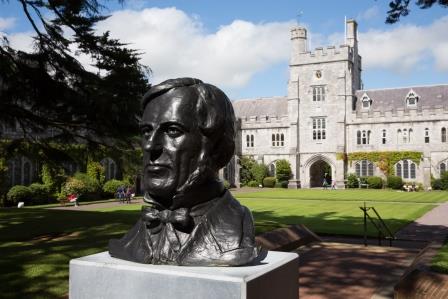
(383, 231)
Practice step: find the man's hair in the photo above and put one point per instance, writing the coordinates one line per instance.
(214, 112)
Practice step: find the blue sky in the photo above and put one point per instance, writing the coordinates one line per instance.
(243, 46)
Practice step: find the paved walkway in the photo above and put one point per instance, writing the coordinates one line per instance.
(433, 226)
(339, 270)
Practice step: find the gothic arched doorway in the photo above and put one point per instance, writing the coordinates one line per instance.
(318, 171)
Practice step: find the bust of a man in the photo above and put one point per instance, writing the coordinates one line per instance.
(188, 132)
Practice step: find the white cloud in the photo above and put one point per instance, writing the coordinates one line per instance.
(175, 44)
(7, 23)
(406, 47)
(371, 13)
(21, 41)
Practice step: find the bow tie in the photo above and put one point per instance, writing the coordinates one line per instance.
(157, 220)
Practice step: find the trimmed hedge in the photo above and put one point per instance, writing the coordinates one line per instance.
(253, 184)
(40, 194)
(395, 182)
(111, 186)
(282, 184)
(269, 182)
(352, 181)
(375, 182)
(18, 193)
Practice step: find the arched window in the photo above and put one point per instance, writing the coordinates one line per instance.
(406, 169)
(399, 136)
(358, 137)
(443, 134)
(277, 137)
(27, 175)
(364, 168)
(426, 135)
(251, 140)
(410, 134)
(110, 168)
(384, 137)
(247, 141)
(272, 169)
(405, 135)
(282, 140)
(273, 139)
(443, 166)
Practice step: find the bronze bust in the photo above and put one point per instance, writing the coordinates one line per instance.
(188, 134)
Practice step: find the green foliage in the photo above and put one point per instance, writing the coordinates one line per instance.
(375, 182)
(440, 184)
(282, 170)
(53, 177)
(385, 161)
(394, 182)
(252, 184)
(40, 194)
(81, 184)
(245, 171)
(96, 172)
(282, 184)
(226, 184)
(111, 186)
(259, 172)
(352, 181)
(439, 262)
(18, 193)
(269, 182)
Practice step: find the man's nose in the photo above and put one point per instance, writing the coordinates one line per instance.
(154, 145)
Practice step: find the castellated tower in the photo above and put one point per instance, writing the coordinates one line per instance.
(321, 89)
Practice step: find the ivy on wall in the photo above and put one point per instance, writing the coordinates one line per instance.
(385, 161)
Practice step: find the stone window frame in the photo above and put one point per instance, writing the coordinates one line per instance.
(364, 168)
(412, 99)
(426, 136)
(404, 135)
(318, 93)
(250, 140)
(366, 102)
(443, 167)
(278, 139)
(384, 136)
(406, 169)
(363, 137)
(319, 128)
(443, 134)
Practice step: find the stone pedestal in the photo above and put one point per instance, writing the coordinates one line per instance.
(101, 276)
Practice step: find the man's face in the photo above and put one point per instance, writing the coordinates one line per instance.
(171, 142)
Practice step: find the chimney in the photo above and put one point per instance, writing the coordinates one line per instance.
(352, 33)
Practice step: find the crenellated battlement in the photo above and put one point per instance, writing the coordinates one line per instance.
(423, 113)
(323, 54)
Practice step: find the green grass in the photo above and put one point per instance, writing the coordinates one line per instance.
(440, 262)
(37, 244)
(350, 195)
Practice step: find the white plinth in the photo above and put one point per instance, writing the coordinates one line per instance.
(101, 276)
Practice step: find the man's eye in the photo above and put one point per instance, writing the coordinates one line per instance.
(146, 131)
(173, 132)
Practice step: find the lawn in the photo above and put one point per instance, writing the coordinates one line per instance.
(36, 244)
(350, 195)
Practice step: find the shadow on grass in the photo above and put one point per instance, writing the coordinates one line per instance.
(323, 223)
(37, 245)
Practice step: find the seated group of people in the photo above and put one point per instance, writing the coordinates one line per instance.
(409, 187)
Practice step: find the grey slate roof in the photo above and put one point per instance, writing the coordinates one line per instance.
(391, 99)
(274, 106)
